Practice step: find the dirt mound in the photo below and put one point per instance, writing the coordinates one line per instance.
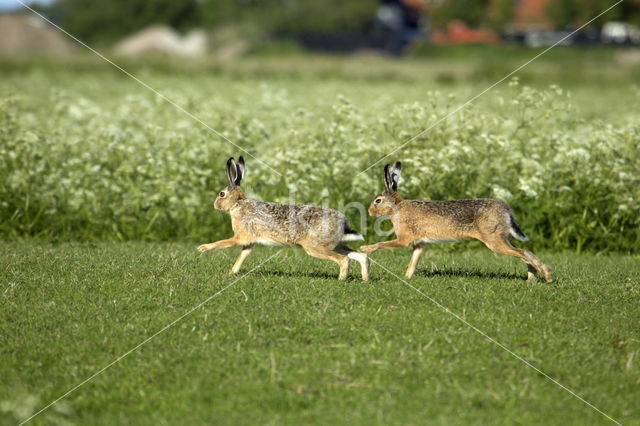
(29, 34)
(163, 40)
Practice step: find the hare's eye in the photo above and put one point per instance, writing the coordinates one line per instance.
(222, 194)
(378, 200)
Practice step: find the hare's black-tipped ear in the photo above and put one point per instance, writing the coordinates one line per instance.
(240, 170)
(232, 172)
(395, 176)
(387, 179)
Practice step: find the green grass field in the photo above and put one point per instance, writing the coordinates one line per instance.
(106, 190)
(289, 344)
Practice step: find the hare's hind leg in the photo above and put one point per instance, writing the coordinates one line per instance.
(361, 258)
(325, 253)
(415, 257)
(246, 251)
(534, 265)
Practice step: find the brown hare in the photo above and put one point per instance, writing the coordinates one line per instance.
(320, 231)
(417, 223)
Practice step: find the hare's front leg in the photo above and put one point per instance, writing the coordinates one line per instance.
(246, 251)
(383, 245)
(233, 241)
(415, 257)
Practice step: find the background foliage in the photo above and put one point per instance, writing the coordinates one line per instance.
(99, 21)
(96, 21)
(92, 155)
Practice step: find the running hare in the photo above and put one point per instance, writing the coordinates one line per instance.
(320, 231)
(417, 223)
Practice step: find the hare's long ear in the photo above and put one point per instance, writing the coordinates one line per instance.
(232, 172)
(388, 183)
(240, 170)
(395, 176)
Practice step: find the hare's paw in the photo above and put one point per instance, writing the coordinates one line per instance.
(368, 249)
(204, 247)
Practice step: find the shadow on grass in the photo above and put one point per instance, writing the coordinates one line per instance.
(377, 277)
(352, 277)
(300, 274)
(468, 273)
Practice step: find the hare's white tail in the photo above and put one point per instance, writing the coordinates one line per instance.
(514, 229)
(351, 235)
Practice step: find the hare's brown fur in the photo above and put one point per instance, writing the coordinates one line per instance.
(417, 223)
(322, 232)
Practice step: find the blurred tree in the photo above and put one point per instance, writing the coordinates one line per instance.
(562, 12)
(501, 13)
(472, 12)
(631, 11)
(475, 13)
(98, 20)
(327, 15)
(570, 13)
(292, 15)
(221, 12)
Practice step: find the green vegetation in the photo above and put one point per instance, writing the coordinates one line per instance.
(87, 153)
(97, 21)
(289, 344)
(565, 13)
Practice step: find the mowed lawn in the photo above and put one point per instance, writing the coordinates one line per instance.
(289, 344)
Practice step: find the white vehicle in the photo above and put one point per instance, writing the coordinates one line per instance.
(620, 33)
